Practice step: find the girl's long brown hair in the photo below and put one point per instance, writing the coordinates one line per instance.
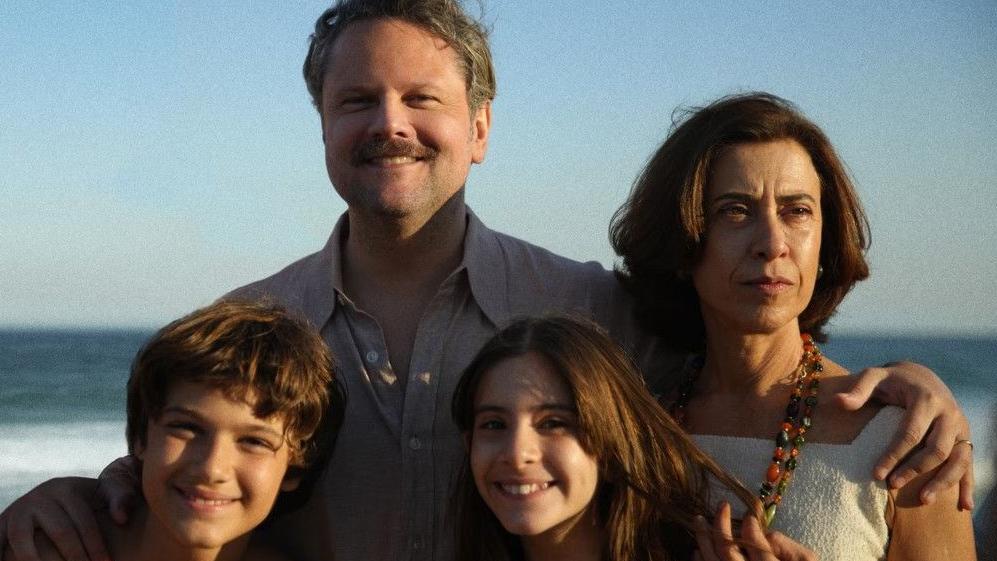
(653, 479)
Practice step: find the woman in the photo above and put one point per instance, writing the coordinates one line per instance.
(740, 238)
(571, 458)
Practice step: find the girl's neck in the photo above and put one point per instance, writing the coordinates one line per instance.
(579, 540)
(749, 364)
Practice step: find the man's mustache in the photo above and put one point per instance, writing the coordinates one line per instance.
(391, 148)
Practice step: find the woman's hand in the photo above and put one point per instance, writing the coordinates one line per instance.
(933, 420)
(717, 543)
(62, 509)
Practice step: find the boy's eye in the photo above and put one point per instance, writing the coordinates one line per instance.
(182, 429)
(259, 444)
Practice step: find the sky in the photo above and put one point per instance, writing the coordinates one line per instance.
(154, 155)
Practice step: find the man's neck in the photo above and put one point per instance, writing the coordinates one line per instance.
(393, 274)
(388, 251)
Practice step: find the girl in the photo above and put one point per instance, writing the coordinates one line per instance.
(571, 458)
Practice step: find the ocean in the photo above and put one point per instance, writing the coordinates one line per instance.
(62, 396)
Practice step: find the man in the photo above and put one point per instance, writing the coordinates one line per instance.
(411, 283)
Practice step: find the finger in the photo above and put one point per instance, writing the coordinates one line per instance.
(3, 532)
(21, 537)
(723, 535)
(754, 540)
(85, 523)
(958, 465)
(119, 505)
(908, 435)
(785, 549)
(863, 388)
(936, 448)
(119, 485)
(704, 542)
(966, 485)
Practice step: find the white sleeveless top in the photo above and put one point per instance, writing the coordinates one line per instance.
(833, 505)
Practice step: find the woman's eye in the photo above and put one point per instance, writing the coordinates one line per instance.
(733, 211)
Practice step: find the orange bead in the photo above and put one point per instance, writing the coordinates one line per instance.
(794, 452)
(779, 453)
(773, 473)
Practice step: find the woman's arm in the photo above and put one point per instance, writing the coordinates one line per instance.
(939, 530)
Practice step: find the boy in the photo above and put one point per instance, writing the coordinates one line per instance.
(224, 410)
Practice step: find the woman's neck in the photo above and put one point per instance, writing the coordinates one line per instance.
(749, 364)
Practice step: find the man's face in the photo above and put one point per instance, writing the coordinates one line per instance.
(399, 136)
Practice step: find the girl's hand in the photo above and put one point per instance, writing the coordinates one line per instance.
(717, 543)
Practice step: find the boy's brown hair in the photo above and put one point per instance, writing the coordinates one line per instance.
(249, 350)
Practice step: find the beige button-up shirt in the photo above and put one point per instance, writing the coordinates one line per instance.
(386, 490)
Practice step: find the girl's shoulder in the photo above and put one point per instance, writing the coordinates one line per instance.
(263, 552)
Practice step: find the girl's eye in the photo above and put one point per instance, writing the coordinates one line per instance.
(491, 424)
(554, 423)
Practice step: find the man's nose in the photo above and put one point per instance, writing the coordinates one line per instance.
(390, 119)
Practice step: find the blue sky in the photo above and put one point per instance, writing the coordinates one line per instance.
(157, 154)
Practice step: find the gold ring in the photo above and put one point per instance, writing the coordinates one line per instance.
(964, 441)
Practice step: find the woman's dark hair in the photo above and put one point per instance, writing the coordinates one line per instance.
(653, 479)
(659, 229)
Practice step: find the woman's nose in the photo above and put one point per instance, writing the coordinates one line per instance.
(770, 238)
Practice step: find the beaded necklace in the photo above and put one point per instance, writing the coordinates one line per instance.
(790, 438)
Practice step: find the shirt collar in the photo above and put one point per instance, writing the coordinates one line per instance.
(487, 270)
(483, 260)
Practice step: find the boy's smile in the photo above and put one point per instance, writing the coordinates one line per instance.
(211, 469)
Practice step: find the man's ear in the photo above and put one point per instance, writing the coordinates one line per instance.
(481, 124)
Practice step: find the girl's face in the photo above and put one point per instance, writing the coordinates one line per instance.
(527, 461)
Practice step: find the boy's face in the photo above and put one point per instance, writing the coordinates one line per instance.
(211, 470)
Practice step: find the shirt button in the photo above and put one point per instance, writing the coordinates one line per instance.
(417, 543)
(372, 356)
(414, 443)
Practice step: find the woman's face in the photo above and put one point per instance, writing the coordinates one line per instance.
(762, 243)
(527, 461)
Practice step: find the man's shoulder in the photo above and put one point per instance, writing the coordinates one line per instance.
(524, 257)
(304, 287)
